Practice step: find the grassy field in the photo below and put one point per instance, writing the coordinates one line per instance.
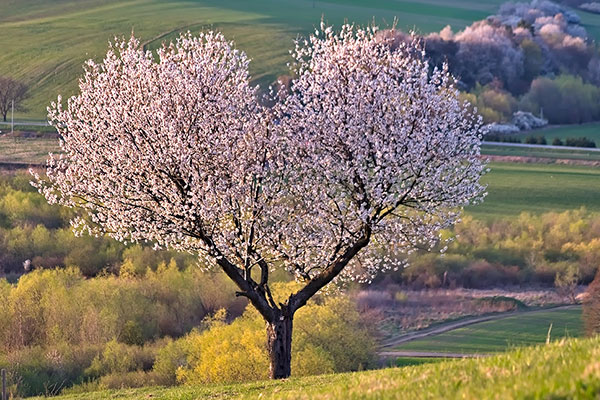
(45, 43)
(561, 370)
(591, 131)
(538, 188)
(566, 154)
(500, 335)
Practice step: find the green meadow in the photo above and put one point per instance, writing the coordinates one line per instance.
(537, 188)
(561, 370)
(524, 329)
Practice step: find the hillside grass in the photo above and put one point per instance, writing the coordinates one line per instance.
(537, 188)
(524, 329)
(564, 369)
(44, 43)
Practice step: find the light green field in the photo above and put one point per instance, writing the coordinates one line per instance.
(567, 370)
(524, 329)
(44, 43)
(538, 188)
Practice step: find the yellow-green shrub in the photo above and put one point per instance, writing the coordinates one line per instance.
(328, 337)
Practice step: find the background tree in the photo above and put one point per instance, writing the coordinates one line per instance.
(367, 147)
(10, 90)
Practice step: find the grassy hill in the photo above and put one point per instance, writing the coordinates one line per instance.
(565, 369)
(44, 43)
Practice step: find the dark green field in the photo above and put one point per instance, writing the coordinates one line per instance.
(552, 153)
(591, 131)
(525, 329)
(538, 188)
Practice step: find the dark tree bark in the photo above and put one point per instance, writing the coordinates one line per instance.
(279, 345)
(279, 317)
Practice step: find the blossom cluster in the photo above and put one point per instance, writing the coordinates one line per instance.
(367, 145)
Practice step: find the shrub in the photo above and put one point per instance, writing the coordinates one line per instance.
(330, 337)
(505, 302)
(169, 359)
(580, 142)
(535, 140)
(566, 281)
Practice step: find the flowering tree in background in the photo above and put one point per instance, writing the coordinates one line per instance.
(367, 147)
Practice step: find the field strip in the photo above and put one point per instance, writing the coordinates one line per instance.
(540, 146)
(458, 324)
(427, 354)
(540, 160)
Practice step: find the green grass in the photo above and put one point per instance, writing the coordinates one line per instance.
(500, 335)
(538, 188)
(410, 361)
(591, 131)
(568, 154)
(561, 370)
(45, 43)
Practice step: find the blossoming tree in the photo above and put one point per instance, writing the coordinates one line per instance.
(369, 154)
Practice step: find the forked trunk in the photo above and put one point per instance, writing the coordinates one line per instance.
(279, 345)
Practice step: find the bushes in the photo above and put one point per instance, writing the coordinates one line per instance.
(527, 250)
(58, 328)
(535, 140)
(49, 307)
(580, 142)
(328, 337)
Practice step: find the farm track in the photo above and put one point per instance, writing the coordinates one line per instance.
(386, 349)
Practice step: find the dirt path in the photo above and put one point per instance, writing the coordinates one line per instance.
(386, 349)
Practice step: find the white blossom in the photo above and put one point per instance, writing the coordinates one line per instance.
(367, 157)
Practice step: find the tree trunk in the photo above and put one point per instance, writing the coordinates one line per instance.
(279, 345)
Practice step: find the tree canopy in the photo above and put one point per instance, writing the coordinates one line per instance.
(366, 147)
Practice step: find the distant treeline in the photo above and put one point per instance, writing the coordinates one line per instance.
(534, 57)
